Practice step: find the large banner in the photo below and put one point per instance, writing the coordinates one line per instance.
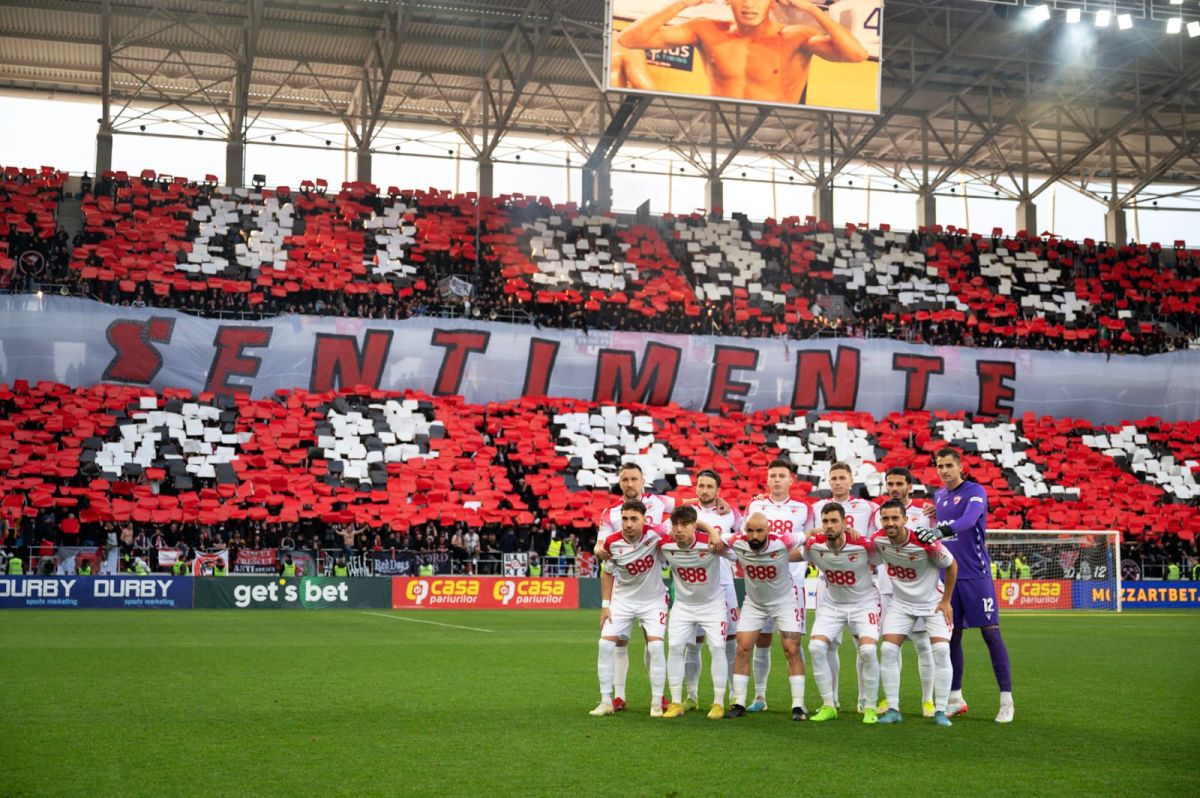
(1034, 594)
(1139, 595)
(248, 592)
(484, 593)
(80, 342)
(106, 592)
(255, 561)
(790, 53)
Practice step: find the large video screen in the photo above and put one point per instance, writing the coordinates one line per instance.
(765, 52)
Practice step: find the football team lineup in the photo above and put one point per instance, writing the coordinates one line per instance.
(889, 573)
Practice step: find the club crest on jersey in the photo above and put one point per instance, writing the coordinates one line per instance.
(774, 554)
(853, 558)
(957, 499)
(912, 557)
(703, 554)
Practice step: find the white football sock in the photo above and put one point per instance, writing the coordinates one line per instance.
(861, 679)
(868, 661)
(833, 662)
(924, 664)
(762, 669)
(604, 670)
(943, 675)
(719, 667)
(741, 682)
(1006, 699)
(691, 669)
(819, 651)
(620, 670)
(889, 673)
(730, 653)
(658, 671)
(675, 671)
(797, 685)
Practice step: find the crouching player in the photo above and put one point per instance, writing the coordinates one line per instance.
(914, 570)
(770, 594)
(632, 589)
(699, 606)
(847, 562)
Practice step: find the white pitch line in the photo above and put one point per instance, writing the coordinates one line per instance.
(432, 623)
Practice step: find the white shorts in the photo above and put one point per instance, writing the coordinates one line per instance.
(885, 600)
(902, 619)
(686, 623)
(652, 615)
(731, 610)
(863, 620)
(784, 616)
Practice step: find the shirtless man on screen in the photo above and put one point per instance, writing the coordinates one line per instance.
(754, 57)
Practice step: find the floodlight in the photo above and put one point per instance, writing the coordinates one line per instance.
(1193, 29)
(1125, 21)
(1103, 18)
(1040, 13)
(1174, 25)
(1074, 15)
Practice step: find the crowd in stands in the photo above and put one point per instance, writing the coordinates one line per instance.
(325, 469)
(152, 240)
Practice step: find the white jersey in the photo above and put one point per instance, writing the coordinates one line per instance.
(915, 569)
(860, 515)
(768, 578)
(658, 512)
(722, 524)
(848, 571)
(636, 567)
(696, 572)
(788, 517)
(914, 518)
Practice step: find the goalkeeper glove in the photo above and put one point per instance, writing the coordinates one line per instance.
(928, 535)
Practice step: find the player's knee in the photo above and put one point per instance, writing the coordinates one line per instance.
(607, 646)
(940, 650)
(921, 644)
(817, 648)
(889, 652)
(867, 651)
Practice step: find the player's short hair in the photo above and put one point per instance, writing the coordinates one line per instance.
(708, 472)
(948, 451)
(630, 466)
(635, 505)
(900, 471)
(893, 504)
(779, 462)
(684, 514)
(833, 507)
(840, 466)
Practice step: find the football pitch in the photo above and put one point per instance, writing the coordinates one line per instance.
(264, 702)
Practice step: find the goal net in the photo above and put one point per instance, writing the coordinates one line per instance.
(1051, 569)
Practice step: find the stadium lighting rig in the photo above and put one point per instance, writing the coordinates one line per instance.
(1123, 15)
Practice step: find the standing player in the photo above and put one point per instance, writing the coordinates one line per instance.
(860, 519)
(631, 588)
(899, 483)
(770, 595)
(708, 509)
(847, 562)
(658, 509)
(785, 516)
(699, 605)
(960, 508)
(913, 567)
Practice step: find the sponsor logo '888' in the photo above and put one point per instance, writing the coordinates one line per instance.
(641, 566)
(764, 573)
(780, 526)
(692, 575)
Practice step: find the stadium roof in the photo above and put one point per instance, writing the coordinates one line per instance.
(967, 88)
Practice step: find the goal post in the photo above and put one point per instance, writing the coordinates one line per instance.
(1058, 569)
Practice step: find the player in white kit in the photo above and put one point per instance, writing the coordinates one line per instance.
(785, 516)
(699, 605)
(658, 509)
(771, 594)
(918, 596)
(899, 483)
(847, 562)
(860, 519)
(632, 589)
(709, 509)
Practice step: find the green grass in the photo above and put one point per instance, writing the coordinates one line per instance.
(345, 702)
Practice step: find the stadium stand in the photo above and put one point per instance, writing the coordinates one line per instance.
(204, 249)
(390, 463)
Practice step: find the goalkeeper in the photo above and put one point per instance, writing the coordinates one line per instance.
(960, 511)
